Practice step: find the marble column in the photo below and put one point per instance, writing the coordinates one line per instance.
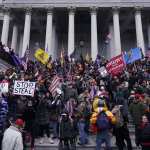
(14, 37)
(139, 30)
(26, 35)
(5, 28)
(148, 34)
(71, 35)
(94, 41)
(117, 41)
(49, 26)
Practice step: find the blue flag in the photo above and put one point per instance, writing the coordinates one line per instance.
(132, 55)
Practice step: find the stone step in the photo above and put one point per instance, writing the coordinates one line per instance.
(90, 146)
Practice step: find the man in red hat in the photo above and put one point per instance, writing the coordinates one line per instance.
(12, 139)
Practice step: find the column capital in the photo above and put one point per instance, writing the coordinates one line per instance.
(138, 8)
(28, 10)
(93, 9)
(71, 9)
(6, 10)
(115, 9)
(50, 9)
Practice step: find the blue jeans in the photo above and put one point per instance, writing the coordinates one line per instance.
(103, 137)
(53, 125)
(83, 137)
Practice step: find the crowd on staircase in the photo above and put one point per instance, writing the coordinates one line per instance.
(72, 100)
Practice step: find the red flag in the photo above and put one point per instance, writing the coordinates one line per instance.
(54, 85)
(115, 65)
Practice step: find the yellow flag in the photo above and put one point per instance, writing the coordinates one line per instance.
(41, 56)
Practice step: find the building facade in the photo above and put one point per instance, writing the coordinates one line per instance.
(76, 26)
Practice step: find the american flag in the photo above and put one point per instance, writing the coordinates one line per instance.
(54, 85)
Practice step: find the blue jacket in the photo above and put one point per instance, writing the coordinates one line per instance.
(3, 113)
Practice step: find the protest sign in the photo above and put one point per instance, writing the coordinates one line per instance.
(3, 87)
(115, 65)
(24, 88)
(103, 72)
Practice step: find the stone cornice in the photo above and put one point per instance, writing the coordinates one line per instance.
(81, 3)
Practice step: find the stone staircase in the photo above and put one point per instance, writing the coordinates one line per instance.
(90, 146)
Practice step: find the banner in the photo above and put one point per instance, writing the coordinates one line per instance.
(103, 72)
(115, 65)
(41, 56)
(24, 88)
(3, 87)
(132, 55)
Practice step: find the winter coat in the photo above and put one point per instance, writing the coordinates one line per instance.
(144, 135)
(12, 139)
(136, 110)
(67, 129)
(3, 114)
(43, 113)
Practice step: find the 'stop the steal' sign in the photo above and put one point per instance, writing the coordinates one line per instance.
(24, 88)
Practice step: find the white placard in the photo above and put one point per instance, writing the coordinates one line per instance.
(3, 87)
(103, 71)
(24, 88)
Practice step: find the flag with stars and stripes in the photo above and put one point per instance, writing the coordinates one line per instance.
(55, 84)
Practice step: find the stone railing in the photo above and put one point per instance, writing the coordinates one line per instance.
(77, 3)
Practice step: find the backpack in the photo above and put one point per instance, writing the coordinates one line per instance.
(103, 122)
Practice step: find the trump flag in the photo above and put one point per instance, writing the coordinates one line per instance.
(116, 65)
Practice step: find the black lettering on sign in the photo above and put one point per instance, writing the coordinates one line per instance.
(17, 84)
(16, 90)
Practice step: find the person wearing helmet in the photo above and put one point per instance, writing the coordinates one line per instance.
(12, 139)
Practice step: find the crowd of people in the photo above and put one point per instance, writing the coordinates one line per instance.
(66, 113)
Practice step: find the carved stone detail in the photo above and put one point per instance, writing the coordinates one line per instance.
(71, 9)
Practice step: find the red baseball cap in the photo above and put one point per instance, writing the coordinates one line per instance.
(19, 122)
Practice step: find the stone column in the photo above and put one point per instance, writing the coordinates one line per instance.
(5, 28)
(148, 34)
(14, 37)
(139, 30)
(117, 41)
(71, 31)
(94, 41)
(26, 35)
(48, 39)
